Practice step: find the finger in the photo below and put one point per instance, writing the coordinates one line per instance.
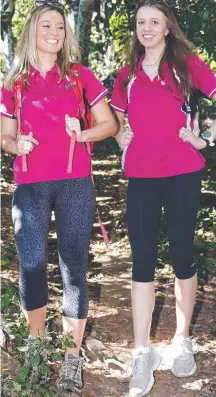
(69, 133)
(31, 147)
(187, 135)
(29, 139)
(72, 127)
(22, 152)
(69, 128)
(33, 140)
(74, 119)
(26, 145)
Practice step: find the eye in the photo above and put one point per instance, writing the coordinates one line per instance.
(155, 22)
(61, 27)
(46, 26)
(140, 22)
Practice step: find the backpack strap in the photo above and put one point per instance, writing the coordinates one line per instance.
(75, 80)
(17, 87)
(132, 79)
(76, 84)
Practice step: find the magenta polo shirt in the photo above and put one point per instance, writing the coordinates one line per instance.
(155, 116)
(44, 106)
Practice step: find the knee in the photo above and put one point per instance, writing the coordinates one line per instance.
(75, 300)
(184, 271)
(142, 273)
(33, 288)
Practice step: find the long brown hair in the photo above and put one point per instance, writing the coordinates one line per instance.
(177, 46)
(26, 50)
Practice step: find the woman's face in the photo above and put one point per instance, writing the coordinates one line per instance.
(50, 32)
(151, 27)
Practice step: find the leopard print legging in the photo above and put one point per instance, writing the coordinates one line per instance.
(73, 202)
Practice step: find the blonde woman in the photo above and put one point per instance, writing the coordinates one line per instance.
(44, 53)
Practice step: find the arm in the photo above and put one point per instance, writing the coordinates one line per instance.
(198, 142)
(105, 127)
(212, 129)
(124, 137)
(9, 141)
(105, 124)
(8, 134)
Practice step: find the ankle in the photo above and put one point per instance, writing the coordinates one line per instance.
(69, 354)
(183, 334)
(141, 349)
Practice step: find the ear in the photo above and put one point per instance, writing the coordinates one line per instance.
(166, 32)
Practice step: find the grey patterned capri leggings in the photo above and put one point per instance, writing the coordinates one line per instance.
(73, 201)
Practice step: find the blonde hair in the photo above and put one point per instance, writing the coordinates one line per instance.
(26, 50)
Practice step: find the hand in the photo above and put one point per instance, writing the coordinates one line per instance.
(25, 144)
(73, 124)
(188, 136)
(124, 138)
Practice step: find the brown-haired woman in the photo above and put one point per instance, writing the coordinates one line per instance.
(162, 157)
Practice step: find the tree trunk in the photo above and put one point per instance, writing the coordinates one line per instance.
(84, 28)
(74, 6)
(8, 8)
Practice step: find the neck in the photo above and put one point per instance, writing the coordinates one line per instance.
(46, 62)
(154, 54)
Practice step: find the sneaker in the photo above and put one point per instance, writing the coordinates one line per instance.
(145, 361)
(184, 363)
(36, 359)
(70, 377)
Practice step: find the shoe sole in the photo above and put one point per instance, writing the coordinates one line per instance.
(152, 381)
(182, 375)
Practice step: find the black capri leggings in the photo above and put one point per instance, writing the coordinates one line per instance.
(180, 196)
(73, 201)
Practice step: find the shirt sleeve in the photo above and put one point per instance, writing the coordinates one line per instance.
(94, 90)
(202, 76)
(7, 106)
(119, 94)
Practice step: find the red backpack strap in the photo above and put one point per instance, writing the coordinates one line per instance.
(75, 81)
(76, 84)
(17, 87)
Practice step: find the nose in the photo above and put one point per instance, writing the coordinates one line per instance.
(147, 27)
(54, 30)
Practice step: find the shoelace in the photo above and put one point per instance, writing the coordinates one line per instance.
(72, 369)
(139, 365)
(182, 350)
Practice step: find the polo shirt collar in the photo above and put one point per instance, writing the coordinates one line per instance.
(34, 72)
(167, 77)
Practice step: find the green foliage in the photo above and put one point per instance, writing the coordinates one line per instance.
(197, 20)
(22, 9)
(24, 384)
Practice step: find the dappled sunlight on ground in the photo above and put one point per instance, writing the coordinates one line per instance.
(109, 332)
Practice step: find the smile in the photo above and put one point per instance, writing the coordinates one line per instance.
(49, 41)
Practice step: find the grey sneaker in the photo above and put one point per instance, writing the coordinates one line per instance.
(36, 359)
(183, 357)
(70, 377)
(145, 361)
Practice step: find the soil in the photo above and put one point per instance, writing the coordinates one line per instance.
(109, 333)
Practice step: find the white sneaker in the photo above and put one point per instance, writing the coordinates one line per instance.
(145, 361)
(183, 357)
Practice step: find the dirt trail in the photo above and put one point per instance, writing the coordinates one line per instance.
(109, 334)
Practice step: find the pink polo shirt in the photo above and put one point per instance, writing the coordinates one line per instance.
(44, 106)
(155, 116)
